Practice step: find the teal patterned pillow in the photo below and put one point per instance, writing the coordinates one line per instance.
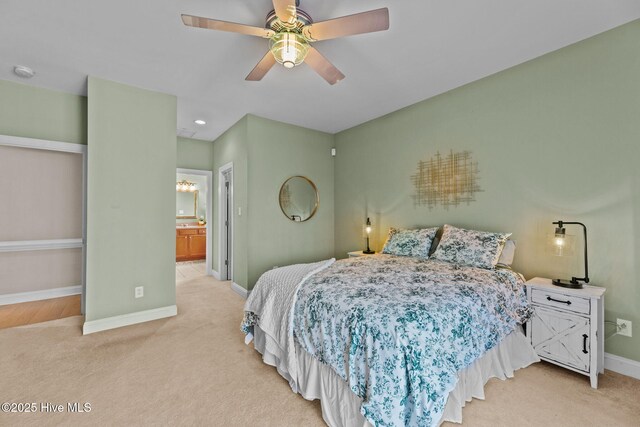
(469, 247)
(415, 243)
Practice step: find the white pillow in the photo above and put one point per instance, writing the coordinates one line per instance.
(507, 254)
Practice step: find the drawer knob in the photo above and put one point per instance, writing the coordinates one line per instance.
(557, 300)
(584, 343)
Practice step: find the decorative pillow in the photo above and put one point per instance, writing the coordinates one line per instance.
(507, 254)
(469, 247)
(415, 243)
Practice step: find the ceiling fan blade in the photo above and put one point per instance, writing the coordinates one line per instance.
(286, 10)
(365, 22)
(262, 68)
(322, 66)
(212, 24)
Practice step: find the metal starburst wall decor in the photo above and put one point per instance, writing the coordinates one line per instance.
(446, 181)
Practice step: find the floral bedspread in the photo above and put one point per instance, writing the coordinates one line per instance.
(398, 329)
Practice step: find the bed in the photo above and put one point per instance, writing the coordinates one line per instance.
(390, 340)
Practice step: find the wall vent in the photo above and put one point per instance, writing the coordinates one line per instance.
(185, 133)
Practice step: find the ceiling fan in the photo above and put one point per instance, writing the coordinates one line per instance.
(291, 31)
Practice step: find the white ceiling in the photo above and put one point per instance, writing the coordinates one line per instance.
(432, 46)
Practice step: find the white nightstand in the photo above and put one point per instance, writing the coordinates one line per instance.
(567, 327)
(355, 254)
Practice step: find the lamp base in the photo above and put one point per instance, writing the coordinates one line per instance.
(567, 284)
(368, 252)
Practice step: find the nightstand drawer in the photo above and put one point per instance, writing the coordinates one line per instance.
(560, 300)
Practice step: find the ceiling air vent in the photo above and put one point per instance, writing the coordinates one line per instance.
(186, 133)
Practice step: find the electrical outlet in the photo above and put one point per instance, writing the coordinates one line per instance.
(624, 327)
(139, 291)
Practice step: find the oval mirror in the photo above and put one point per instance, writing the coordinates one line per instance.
(298, 198)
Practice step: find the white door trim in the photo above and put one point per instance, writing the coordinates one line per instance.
(67, 147)
(209, 226)
(221, 171)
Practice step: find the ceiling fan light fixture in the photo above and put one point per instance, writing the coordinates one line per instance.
(288, 48)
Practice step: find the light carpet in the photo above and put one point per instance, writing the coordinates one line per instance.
(194, 369)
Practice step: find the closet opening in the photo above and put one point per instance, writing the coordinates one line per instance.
(42, 230)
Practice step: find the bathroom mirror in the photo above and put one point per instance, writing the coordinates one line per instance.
(298, 198)
(186, 204)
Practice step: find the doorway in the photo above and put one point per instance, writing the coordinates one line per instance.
(194, 207)
(225, 223)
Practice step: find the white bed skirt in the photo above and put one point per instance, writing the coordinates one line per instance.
(341, 407)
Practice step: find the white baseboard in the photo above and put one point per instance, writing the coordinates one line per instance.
(239, 290)
(622, 365)
(215, 274)
(40, 295)
(128, 319)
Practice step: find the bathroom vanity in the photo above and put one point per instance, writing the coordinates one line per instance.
(191, 242)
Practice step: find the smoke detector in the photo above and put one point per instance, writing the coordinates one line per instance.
(23, 72)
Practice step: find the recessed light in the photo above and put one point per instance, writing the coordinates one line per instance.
(200, 122)
(24, 72)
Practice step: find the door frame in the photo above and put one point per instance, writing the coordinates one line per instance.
(51, 244)
(221, 204)
(209, 200)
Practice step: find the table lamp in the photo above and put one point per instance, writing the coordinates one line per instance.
(368, 228)
(564, 247)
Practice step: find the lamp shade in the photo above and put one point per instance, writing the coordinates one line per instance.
(561, 245)
(289, 49)
(368, 227)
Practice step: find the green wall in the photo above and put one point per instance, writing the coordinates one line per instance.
(195, 154)
(232, 147)
(555, 138)
(33, 112)
(130, 130)
(264, 154)
(278, 151)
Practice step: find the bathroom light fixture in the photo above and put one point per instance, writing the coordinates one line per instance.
(563, 246)
(368, 228)
(200, 122)
(185, 186)
(23, 72)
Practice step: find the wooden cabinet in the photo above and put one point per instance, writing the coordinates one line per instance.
(198, 246)
(567, 327)
(191, 243)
